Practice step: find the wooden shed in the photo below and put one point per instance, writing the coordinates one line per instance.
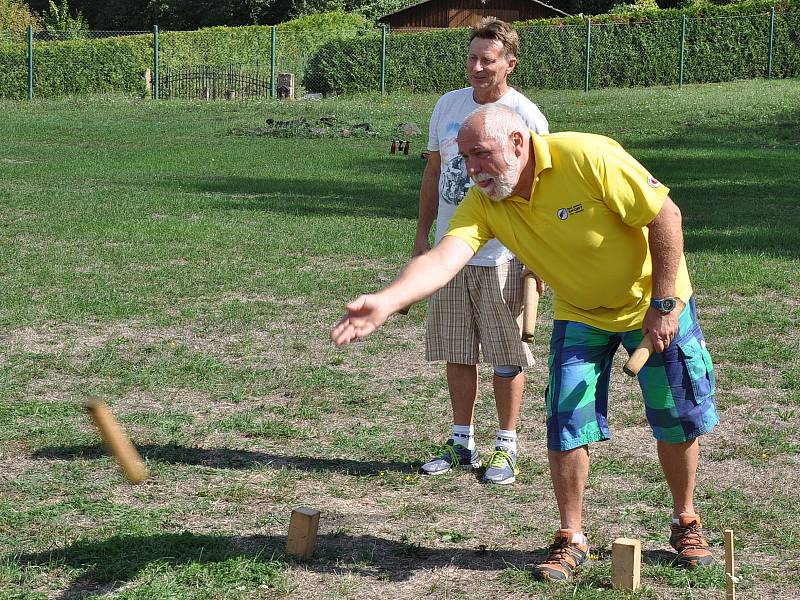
(438, 14)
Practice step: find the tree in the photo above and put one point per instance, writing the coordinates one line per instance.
(16, 15)
(60, 23)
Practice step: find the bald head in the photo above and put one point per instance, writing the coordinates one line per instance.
(496, 122)
(495, 144)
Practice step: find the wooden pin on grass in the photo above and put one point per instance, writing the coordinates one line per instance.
(116, 441)
(626, 563)
(730, 567)
(303, 527)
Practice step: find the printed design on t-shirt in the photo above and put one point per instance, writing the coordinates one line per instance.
(454, 182)
(451, 131)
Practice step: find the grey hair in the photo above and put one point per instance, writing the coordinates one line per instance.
(499, 122)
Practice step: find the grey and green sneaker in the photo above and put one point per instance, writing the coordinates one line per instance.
(501, 468)
(453, 455)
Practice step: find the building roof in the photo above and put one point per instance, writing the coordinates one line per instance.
(545, 4)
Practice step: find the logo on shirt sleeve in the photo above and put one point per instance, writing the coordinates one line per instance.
(653, 182)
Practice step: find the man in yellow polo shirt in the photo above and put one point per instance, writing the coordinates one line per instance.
(592, 223)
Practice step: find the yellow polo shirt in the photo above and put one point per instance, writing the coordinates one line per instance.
(583, 232)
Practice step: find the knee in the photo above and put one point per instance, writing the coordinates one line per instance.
(507, 371)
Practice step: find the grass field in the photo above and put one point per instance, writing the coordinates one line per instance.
(165, 258)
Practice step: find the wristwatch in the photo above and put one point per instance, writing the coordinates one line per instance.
(664, 305)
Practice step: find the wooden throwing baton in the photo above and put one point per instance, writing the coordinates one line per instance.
(645, 350)
(530, 308)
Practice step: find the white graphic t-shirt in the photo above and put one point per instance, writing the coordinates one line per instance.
(447, 117)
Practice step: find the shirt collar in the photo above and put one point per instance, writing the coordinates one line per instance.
(541, 155)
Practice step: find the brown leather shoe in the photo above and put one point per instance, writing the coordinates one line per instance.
(563, 559)
(688, 540)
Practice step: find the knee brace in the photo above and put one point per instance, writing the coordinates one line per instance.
(507, 371)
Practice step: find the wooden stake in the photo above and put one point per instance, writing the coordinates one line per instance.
(116, 441)
(626, 562)
(529, 308)
(730, 567)
(302, 532)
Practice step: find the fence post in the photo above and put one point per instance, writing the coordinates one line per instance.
(683, 46)
(771, 41)
(30, 62)
(272, 67)
(588, 54)
(383, 60)
(156, 92)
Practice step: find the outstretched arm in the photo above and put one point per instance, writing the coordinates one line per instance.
(666, 248)
(421, 277)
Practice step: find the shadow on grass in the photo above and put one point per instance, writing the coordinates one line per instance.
(226, 458)
(737, 185)
(320, 196)
(114, 562)
(730, 211)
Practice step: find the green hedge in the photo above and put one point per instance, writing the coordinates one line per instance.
(340, 53)
(102, 65)
(638, 48)
(13, 71)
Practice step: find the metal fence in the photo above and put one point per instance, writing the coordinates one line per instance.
(208, 82)
(196, 65)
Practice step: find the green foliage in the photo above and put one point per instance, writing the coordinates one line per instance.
(13, 71)
(91, 67)
(696, 8)
(59, 22)
(372, 9)
(339, 52)
(635, 47)
(415, 62)
(16, 16)
(326, 21)
(196, 14)
(118, 64)
(637, 7)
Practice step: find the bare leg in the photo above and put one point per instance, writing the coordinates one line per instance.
(569, 471)
(679, 463)
(462, 382)
(508, 399)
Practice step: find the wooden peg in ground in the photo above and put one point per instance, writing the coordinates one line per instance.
(626, 563)
(303, 528)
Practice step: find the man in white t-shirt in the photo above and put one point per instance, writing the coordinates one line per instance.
(480, 310)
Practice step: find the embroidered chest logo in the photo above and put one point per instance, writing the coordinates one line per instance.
(564, 213)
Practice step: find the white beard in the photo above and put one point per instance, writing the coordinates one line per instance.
(504, 183)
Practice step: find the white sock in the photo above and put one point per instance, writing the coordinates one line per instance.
(579, 538)
(507, 438)
(464, 435)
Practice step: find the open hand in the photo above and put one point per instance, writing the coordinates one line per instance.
(364, 315)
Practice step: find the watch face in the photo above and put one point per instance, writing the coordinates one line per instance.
(667, 304)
